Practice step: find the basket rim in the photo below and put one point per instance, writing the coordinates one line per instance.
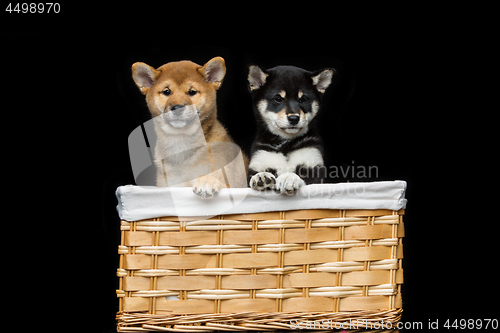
(143, 202)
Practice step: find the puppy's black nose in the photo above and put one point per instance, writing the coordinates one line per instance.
(177, 109)
(293, 119)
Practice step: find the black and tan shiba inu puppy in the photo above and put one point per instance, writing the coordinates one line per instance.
(181, 97)
(287, 151)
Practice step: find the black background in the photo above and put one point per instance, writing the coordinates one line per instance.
(71, 104)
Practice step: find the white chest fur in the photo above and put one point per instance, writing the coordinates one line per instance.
(263, 160)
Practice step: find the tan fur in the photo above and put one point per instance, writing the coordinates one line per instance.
(194, 87)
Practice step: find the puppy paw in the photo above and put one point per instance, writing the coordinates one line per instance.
(262, 180)
(207, 186)
(289, 183)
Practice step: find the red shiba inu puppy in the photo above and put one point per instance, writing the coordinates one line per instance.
(181, 97)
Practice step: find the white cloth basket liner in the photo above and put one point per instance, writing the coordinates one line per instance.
(144, 202)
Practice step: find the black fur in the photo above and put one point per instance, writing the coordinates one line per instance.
(290, 80)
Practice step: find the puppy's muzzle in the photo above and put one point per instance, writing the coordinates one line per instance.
(177, 110)
(293, 119)
(179, 115)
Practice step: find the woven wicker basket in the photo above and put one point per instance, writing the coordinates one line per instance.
(261, 271)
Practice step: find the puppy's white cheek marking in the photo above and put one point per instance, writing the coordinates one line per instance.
(314, 108)
(200, 106)
(262, 106)
(158, 104)
(309, 157)
(271, 118)
(263, 160)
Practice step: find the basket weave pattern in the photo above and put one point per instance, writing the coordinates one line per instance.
(260, 271)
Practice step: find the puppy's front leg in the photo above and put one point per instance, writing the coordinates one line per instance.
(208, 186)
(262, 180)
(289, 183)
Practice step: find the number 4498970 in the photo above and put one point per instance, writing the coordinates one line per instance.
(40, 8)
(472, 324)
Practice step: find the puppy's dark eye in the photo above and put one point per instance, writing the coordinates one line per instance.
(278, 99)
(303, 99)
(166, 92)
(192, 92)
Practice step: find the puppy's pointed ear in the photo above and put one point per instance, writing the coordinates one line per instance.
(323, 78)
(256, 77)
(144, 76)
(214, 71)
